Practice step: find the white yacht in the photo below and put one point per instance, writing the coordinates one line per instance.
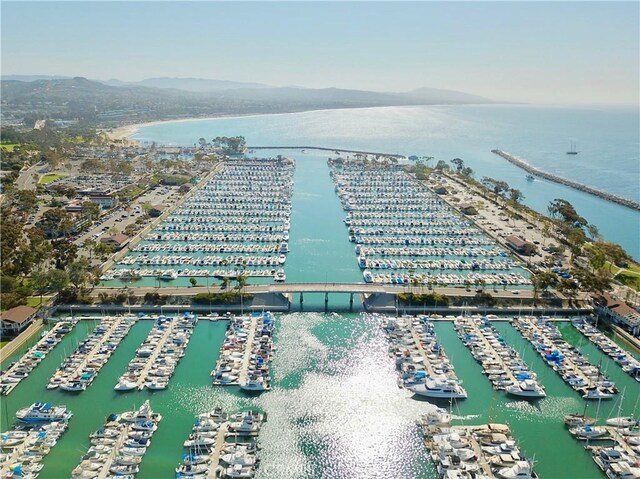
(527, 388)
(169, 274)
(125, 384)
(520, 470)
(280, 276)
(439, 388)
(284, 247)
(43, 412)
(254, 384)
(367, 276)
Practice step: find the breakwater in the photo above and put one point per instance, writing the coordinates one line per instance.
(563, 181)
(322, 148)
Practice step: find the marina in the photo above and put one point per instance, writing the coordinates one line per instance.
(23, 448)
(574, 368)
(622, 358)
(246, 353)
(158, 356)
(501, 363)
(424, 367)
(242, 213)
(78, 370)
(118, 447)
(400, 226)
(211, 455)
(482, 452)
(11, 377)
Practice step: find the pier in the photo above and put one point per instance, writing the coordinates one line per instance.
(142, 378)
(566, 360)
(12, 376)
(217, 450)
(244, 368)
(108, 340)
(487, 447)
(570, 183)
(488, 354)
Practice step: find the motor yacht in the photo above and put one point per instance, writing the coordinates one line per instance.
(43, 412)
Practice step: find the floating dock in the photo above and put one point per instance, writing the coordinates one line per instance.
(102, 342)
(486, 450)
(13, 375)
(566, 360)
(501, 363)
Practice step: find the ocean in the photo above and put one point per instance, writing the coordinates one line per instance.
(607, 138)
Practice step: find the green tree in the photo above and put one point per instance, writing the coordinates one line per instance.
(193, 281)
(65, 252)
(78, 272)
(58, 280)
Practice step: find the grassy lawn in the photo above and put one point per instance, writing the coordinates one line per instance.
(9, 146)
(631, 280)
(34, 301)
(49, 177)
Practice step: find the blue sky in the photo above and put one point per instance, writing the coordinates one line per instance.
(539, 52)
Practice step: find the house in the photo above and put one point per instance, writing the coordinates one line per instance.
(618, 311)
(155, 211)
(117, 241)
(519, 245)
(468, 209)
(15, 320)
(105, 201)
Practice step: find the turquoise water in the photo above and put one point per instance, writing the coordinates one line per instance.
(608, 140)
(335, 410)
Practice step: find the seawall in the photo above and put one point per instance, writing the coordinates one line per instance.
(322, 148)
(563, 181)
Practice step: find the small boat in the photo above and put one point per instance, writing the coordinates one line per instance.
(576, 420)
(280, 276)
(572, 150)
(531, 178)
(125, 385)
(192, 469)
(238, 458)
(624, 421)
(588, 432)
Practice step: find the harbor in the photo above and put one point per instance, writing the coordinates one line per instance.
(243, 212)
(13, 375)
(158, 356)
(586, 379)
(501, 363)
(389, 214)
(201, 342)
(424, 367)
(23, 448)
(481, 451)
(622, 358)
(211, 455)
(78, 370)
(118, 447)
(246, 353)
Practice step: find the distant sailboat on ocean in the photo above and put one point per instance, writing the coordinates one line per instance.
(573, 150)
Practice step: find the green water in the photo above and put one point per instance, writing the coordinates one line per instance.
(335, 410)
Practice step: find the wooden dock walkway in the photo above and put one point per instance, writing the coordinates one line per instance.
(242, 377)
(104, 472)
(216, 452)
(142, 378)
(104, 338)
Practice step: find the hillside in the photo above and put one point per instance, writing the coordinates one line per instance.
(103, 104)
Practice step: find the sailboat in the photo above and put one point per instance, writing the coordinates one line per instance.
(573, 150)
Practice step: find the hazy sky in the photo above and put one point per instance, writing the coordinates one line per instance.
(575, 52)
